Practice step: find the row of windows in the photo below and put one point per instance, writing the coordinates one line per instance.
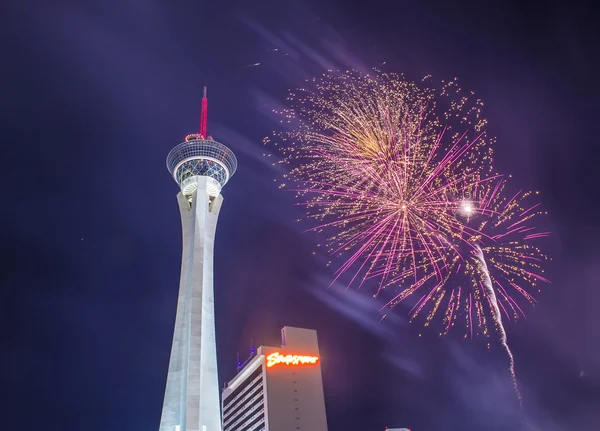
(247, 400)
(248, 412)
(249, 423)
(296, 408)
(234, 403)
(201, 167)
(248, 382)
(246, 406)
(198, 149)
(259, 424)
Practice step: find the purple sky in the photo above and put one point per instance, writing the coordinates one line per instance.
(95, 95)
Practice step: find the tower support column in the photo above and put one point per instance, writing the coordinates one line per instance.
(192, 394)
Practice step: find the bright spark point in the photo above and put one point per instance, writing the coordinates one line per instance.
(466, 208)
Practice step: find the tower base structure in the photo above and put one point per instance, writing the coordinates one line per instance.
(191, 400)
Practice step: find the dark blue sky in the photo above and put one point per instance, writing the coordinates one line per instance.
(95, 94)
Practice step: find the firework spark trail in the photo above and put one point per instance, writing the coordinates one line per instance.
(491, 294)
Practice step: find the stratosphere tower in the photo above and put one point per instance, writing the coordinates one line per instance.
(201, 167)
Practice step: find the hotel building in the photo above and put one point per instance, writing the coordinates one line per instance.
(280, 389)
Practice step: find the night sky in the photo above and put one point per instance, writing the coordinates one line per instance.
(96, 93)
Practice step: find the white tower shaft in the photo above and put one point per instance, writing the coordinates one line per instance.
(192, 394)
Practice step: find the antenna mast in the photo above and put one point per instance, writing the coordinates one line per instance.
(203, 115)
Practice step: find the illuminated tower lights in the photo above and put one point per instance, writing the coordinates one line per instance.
(201, 167)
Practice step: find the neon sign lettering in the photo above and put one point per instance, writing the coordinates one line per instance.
(276, 358)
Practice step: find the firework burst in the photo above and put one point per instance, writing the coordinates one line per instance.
(375, 160)
(493, 266)
(498, 243)
(400, 178)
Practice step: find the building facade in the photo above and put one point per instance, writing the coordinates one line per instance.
(201, 167)
(280, 389)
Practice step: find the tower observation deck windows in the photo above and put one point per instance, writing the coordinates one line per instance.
(201, 167)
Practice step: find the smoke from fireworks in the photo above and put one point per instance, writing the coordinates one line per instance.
(491, 295)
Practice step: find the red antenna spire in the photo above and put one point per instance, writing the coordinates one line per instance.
(203, 115)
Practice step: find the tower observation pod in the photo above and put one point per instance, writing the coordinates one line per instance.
(201, 167)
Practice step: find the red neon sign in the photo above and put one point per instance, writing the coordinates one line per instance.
(277, 358)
